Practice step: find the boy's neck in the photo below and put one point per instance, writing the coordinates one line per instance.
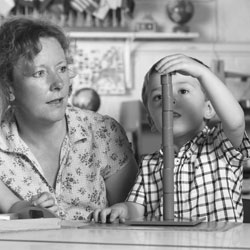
(180, 141)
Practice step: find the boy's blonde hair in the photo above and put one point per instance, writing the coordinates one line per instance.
(152, 70)
(144, 93)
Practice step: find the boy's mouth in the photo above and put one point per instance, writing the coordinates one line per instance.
(176, 115)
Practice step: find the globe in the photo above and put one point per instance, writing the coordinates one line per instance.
(180, 12)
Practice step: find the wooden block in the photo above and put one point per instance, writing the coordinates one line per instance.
(10, 216)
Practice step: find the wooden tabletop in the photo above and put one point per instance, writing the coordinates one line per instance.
(76, 236)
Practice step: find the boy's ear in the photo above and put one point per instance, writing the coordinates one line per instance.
(209, 111)
(151, 124)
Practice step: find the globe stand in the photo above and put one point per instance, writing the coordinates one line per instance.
(168, 165)
(181, 28)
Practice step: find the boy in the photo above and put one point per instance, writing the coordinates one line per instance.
(208, 162)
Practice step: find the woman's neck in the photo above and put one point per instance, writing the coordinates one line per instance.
(34, 133)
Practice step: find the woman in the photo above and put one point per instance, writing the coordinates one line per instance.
(82, 159)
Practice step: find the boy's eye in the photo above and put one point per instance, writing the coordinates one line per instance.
(157, 98)
(40, 73)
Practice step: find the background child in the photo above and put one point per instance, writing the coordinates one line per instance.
(208, 161)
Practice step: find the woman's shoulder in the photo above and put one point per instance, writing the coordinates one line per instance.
(91, 120)
(8, 134)
(87, 115)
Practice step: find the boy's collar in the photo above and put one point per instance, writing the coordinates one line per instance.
(192, 144)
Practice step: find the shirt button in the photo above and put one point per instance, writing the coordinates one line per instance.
(189, 154)
(176, 161)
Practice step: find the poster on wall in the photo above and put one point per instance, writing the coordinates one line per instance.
(102, 66)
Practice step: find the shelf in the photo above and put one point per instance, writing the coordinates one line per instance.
(132, 35)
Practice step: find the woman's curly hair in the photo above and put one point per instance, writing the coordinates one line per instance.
(19, 38)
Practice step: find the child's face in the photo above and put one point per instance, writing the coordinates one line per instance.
(189, 105)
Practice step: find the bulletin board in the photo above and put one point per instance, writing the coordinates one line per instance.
(101, 65)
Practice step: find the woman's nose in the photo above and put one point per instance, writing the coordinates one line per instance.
(56, 82)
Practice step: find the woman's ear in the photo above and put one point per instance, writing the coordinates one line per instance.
(11, 94)
(151, 124)
(209, 111)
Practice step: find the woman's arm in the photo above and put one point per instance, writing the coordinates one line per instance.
(119, 184)
(7, 198)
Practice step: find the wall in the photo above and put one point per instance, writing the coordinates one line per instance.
(214, 20)
(223, 35)
(217, 22)
(223, 26)
(144, 54)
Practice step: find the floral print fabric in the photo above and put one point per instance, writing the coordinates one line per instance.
(95, 148)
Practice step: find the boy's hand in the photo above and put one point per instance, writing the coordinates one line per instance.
(182, 64)
(110, 214)
(45, 200)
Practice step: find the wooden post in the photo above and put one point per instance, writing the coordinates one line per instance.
(168, 147)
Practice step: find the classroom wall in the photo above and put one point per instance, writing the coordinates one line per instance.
(236, 59)
(223, 35)
(214, 20)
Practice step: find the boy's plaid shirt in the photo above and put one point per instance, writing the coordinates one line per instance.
(208, 177)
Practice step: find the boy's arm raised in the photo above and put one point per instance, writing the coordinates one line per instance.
(226, 106)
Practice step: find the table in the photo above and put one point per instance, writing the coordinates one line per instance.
(118, 236)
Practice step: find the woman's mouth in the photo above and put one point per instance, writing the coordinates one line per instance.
(56, 101)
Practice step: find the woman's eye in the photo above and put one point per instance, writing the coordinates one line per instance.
(40, 73)
(183, 91)
(63, 69)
